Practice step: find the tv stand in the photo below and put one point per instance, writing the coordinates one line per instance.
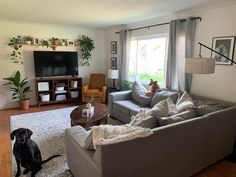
(58, 90)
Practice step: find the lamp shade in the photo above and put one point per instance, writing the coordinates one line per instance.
(200, 65)
(113, 74)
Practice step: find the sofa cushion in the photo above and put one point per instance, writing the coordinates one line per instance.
(184, 102)
(134, 111)
(125, 106)
(138, 94)
(162, 95)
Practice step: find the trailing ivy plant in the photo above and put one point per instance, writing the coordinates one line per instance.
(16, 54)
(86, 46)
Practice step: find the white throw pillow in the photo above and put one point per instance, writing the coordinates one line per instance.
(184, 102)
(171, 107)
(159, 110)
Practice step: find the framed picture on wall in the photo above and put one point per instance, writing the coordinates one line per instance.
(113, 47)
(113, 63)
(225, 46)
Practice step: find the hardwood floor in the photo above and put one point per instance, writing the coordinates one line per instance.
(220, 169)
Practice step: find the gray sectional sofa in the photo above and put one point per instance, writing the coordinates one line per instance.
(176, 150)
(122, 105)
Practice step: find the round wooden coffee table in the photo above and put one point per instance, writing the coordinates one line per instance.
(100, 116)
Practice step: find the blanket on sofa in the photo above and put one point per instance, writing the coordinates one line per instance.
(109, 134)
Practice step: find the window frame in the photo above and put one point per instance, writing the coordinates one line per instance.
(149, 37)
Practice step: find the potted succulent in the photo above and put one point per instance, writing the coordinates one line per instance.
(86, 46)
(28, 40)
(15, 43)
(45, 43)
(20, 89)
(63, 42)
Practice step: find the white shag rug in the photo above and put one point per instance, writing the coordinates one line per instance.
(49, 133)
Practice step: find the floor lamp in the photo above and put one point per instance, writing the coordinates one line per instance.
(202, 65)
(113, 74)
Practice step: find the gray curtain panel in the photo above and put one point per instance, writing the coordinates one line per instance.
(181, 40)
(125, 37)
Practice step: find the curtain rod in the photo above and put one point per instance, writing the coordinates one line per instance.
(160, 24)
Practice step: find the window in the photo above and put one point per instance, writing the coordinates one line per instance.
(147, 58)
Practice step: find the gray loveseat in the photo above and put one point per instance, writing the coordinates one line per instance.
(176, 150)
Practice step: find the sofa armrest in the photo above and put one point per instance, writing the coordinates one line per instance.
(118, 96)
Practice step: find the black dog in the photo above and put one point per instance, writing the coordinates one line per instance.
(26, 152)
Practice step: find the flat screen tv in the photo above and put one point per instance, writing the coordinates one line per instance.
(47, 63)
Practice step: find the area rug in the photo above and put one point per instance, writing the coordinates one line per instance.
(48, 132)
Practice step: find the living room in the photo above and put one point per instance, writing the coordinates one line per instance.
(217, 20)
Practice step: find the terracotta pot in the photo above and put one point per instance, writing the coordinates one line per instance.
(24, 104)
(56, 42)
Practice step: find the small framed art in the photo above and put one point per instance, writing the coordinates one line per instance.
(35, 41)
(225, 46)
(113, 47)
(71, 43)
(113, 63)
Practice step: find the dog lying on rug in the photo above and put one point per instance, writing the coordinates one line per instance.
(26, 152)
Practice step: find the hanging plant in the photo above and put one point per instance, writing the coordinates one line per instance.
(86, 46)
(16, 54)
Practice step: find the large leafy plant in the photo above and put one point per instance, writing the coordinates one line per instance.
(86, 46)
(18, 87)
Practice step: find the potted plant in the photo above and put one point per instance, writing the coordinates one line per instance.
(15, 43)
(20, 89)
(28, 40)
(86, 46)
(63, 42)
(55, 41)
(45, 43)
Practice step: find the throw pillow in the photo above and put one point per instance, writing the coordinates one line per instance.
(172, 107)
(88, 143)
(138, 94)
(142, 120)
(162, 95)
(184, 102)
(159, 110)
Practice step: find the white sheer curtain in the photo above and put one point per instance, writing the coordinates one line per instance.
(181, 38)
(125, 37)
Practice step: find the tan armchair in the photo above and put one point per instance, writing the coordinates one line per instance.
(96, 88)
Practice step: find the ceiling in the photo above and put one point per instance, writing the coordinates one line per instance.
(95, 13)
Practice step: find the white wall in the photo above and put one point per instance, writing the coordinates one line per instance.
(216, 21)
(11, 29)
